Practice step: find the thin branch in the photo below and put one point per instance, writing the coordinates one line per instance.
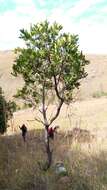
(47, 106)
(57, 112)
(61, 70)
(43, 103)
(55, 80)
(41, 111)
(37, 119)
(51, 114)
(56, 88)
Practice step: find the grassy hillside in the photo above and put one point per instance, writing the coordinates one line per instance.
(94, 85)
(84, 153)
(7, 81)
(89, 113)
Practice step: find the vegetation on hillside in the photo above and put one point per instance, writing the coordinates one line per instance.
(6, 111)
(51, 66)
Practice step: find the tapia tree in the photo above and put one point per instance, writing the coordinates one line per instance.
(6, 111)
(51, 66)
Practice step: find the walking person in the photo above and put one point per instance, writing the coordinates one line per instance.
(23, 128)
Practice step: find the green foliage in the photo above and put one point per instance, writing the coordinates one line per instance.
(49, 63)
(99, 94)
(10, 108)
(6, 111)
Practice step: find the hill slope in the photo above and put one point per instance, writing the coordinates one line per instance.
(84, 161)
(91, 112)
(7, 81)
(95, 82)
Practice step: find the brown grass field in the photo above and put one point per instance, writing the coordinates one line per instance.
(84, 154)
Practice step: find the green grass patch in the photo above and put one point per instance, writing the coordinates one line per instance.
(99, 94)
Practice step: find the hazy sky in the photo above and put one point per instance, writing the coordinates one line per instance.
(87, 18)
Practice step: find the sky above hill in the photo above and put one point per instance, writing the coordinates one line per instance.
(87, 18)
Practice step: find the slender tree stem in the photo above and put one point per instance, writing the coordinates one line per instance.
(44, 106)
(57, 112)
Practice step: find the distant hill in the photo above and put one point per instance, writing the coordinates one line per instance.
(94, 85)
(90, 112)
(8, 82)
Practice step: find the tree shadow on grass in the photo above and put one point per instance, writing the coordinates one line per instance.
(19, 169)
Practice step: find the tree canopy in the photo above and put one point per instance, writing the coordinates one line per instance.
(51, 66)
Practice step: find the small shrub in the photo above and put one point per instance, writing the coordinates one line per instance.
(99, 94)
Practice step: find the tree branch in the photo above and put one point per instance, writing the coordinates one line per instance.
(61, 70)
(37, 119)
(43, 104)
(57, 111)
(55, 80)
(56, 88)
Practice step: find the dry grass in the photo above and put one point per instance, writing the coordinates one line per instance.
(20, 162)
(89, 114)
(85, 161)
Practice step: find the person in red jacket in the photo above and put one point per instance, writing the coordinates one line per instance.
(51, 131)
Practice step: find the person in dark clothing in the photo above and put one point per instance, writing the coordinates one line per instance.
(51, 131)
(23, 128)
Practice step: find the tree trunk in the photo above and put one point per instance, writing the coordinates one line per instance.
(48, 150)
